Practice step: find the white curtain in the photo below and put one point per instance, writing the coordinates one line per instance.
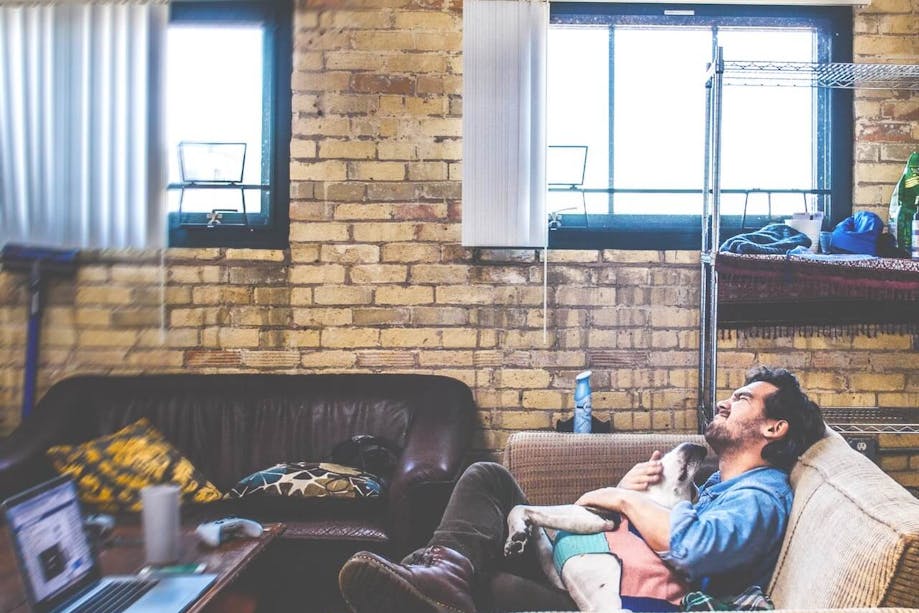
(81, 152)
(504, 125)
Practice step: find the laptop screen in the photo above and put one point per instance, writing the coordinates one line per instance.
(47, 527)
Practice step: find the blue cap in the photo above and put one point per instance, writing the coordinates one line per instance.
(858, 233)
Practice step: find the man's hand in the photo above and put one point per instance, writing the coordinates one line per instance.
(649, 518)
(644, 474)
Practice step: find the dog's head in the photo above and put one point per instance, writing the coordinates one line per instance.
(680, 466)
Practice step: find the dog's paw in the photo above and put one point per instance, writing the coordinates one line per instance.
(516, 543)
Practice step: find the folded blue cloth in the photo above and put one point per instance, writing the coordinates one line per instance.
(776, 238)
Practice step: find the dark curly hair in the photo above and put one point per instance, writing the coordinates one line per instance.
(789, 403)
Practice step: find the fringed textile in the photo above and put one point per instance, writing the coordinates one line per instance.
(770, 296)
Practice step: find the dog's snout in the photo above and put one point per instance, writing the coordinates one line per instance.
(692, 452)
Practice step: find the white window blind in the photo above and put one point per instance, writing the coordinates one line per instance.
(81, 149)
(504, 128)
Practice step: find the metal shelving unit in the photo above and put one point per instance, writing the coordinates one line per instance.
(788, 74)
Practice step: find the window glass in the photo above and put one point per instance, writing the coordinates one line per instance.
(214, 95)
(627, 82)
(228, 122)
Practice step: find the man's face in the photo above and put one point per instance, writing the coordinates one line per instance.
(738, 419)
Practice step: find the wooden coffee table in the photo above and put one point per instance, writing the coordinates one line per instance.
(125, 555)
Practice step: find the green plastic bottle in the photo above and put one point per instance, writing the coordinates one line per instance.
(903, 204)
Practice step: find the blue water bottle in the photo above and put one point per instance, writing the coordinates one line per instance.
(582, 407)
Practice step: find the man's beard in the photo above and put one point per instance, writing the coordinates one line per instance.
(721, 439)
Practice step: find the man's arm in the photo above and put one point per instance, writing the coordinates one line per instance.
(746, 524)
(649, 518)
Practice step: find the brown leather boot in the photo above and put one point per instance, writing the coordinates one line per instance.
(435, 580)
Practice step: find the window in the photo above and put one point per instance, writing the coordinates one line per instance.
(228, 115)
(627, 83)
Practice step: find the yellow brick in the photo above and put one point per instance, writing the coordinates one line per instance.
(883, 341)
(524, 378)
(93, 317)
(319, 171)
(442, 127)
(321, 273)
(384, 232)
(439, 273)
(301, 296)
(438, 232)
(135, 274)
(347, 149)
(271, 359)
(542, 399)
(439, 41)
(376, 171)
(350, 254)
(632, 257)
(344, 60)
(304, 254)
(641, 421)
(384, 40)
(342, 294)
(380, 273)
(300, 338)
(410, 252)
(874, 382)
(107, 338)
(238, 337)
(410, 337)
(318, 232)
(256, 255)
(322, 317)
(598, 296)
(404, 295)
(445, 358)
(427, 171)
(525, 420)
(103, 295)
(156, 359)
(350, 337)
(221, 294)
(328, 359)
(396, 150)
(460, 337)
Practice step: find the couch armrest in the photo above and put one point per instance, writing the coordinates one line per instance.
(557, 467)
(22, 454)
(432, 459)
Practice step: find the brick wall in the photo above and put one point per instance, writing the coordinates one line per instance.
(375, 279)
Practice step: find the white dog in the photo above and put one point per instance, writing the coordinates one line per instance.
(593, 580)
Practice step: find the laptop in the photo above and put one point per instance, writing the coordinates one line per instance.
(59, 567)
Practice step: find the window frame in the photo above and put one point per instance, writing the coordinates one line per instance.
(271, 230)
(656, 232)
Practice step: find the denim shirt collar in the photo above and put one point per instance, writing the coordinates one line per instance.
(763, 477)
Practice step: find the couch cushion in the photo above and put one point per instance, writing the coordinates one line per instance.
(111, 470)
(309, 480)
(853, 535)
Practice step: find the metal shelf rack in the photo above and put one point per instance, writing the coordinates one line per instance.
(872, 420)
(787, 74)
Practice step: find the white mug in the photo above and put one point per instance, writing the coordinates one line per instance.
(160, 515)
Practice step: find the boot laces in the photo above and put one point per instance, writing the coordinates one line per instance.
(425, 557)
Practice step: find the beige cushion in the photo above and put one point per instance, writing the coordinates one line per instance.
(853, 535)
(557, 467)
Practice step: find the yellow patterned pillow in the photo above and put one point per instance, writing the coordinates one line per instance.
(111, 470)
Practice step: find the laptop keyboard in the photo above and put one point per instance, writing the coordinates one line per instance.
(115, 597)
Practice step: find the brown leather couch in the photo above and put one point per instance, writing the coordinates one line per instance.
(232, 425)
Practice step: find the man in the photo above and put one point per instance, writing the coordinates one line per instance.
(726, 541)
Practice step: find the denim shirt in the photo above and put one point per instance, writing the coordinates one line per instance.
(730, 538)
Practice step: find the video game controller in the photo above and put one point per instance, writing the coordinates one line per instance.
(214, 533)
